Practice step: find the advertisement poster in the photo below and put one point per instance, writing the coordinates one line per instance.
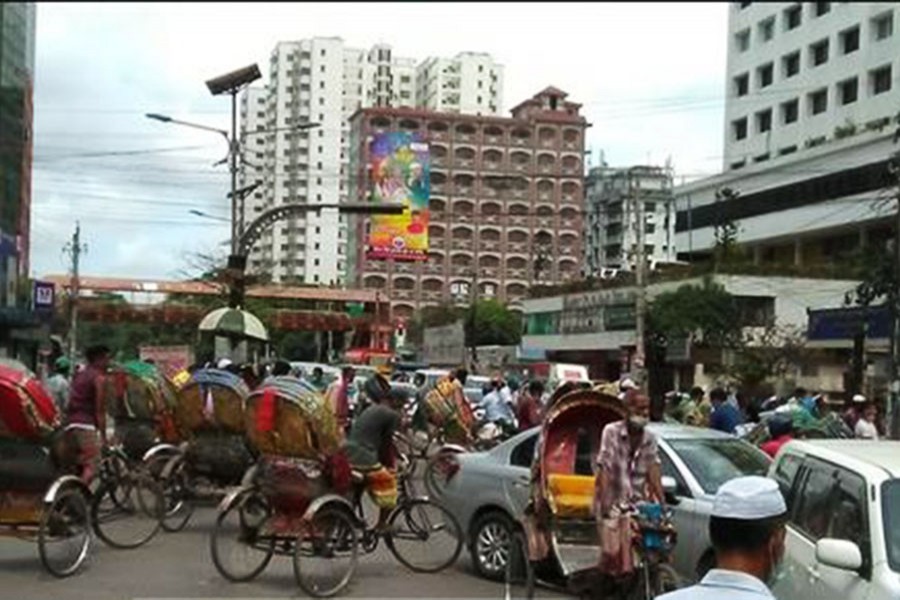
(400, 174)
(169, 359)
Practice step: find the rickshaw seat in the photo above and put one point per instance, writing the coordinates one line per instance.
(571, 495)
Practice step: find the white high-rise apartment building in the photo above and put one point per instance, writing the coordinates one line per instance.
(322, 81)
(469, 83)
(612, 194)
(797, 72)
(812, 88)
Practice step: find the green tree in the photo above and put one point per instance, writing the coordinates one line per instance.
(706, 312)
(495, 325)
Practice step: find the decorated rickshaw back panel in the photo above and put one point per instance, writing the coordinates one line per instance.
(572, 431)
(446, 407)
(213, 400)
(288, 417)
(27, 410)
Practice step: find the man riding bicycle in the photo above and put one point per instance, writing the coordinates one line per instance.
(370, 446)
(628, 472)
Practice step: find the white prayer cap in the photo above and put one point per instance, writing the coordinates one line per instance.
(223, 363)
(859, 398)
(749, 498)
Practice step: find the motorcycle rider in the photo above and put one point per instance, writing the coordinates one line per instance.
(497, 410)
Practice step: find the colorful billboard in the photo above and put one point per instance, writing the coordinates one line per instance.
(400, 174)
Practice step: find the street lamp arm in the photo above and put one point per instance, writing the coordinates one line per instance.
(168, 119)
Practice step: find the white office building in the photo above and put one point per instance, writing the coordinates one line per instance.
(612, 196)
(323, 81)
(811, 91)
(469, 83)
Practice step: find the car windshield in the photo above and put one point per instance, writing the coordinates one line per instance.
(890, 501)
(715, 461)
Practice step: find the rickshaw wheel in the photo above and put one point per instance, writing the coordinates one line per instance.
(64, 536)
(434, 477)
(519, 573)
(236, 538)
(132, 521)
(326, 553)
(420, 530)
(177, 504)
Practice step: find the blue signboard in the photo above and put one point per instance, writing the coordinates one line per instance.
(43, 295)
(835, 324)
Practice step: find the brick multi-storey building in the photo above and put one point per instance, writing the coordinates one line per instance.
(507, 201)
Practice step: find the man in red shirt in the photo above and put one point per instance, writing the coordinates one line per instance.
(781, 431)
(529, 410)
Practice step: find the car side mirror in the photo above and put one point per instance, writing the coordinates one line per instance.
(670, 486)
(839, 554)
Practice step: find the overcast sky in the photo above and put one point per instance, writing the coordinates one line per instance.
(650, 77)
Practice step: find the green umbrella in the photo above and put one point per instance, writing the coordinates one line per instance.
(234, 323)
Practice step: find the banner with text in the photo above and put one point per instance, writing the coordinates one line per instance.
(400, 174)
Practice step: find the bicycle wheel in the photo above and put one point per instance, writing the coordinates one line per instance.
(325, 555)
(240, 548)
(113, 478)
(64, 536)
(519, 581)
(424, 536)
(665, 580)
(178, 504)
(129, 521)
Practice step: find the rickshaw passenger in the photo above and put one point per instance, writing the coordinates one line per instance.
(86, 411)
(628, 471)
(370, 446)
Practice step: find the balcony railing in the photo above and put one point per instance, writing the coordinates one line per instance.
(466, 163)
(488, 272)
(438, 135)
(490, 218)
(516, 274)
(432, 296)
(403, 268)
(518, 220)
(520, 141)
(404, 294)
(543, 222)
(521, 247)
(458, 244)
(376, 266)
(490, 246)
(432, 269)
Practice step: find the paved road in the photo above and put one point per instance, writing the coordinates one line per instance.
(179, 566)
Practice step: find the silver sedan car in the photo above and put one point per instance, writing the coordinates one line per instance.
(489, 490)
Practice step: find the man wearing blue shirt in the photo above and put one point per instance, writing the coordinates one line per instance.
(725, 417)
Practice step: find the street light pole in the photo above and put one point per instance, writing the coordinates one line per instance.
(235, 228)
(640, 305)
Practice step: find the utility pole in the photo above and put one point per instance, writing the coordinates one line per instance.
(640, 304)
(74, 248)
(893, 408)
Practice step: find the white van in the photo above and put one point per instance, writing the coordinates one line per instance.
(561, 373)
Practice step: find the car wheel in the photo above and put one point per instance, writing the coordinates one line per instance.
(492, 535)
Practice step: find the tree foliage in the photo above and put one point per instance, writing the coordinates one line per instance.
(706, 312)
(494, 324)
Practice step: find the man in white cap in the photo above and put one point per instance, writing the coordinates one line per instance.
(747, 531)
(854, 411)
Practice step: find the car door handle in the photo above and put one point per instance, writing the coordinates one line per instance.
(813, 572)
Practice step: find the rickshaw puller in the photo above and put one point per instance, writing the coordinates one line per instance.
(86, 410)
(628, 472)
(370, 446)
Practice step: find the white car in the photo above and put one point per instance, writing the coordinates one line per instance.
(843, 531)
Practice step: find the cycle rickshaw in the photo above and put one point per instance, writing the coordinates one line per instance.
(303, 500)
(561, 529)
(213, 456)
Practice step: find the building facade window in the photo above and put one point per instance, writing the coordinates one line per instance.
(761, 158)
(883, 26)
(818, 53)
(792, 17)
(880, 80)
(790, 111)
(739, 128)
(767, 29)
(818, 101)
(790, 64)
(742, 85)
(821, 8)
(850, 40)
(787, 150)
(764, 121)
(764, 75)
(742, 40)
(848, 91)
